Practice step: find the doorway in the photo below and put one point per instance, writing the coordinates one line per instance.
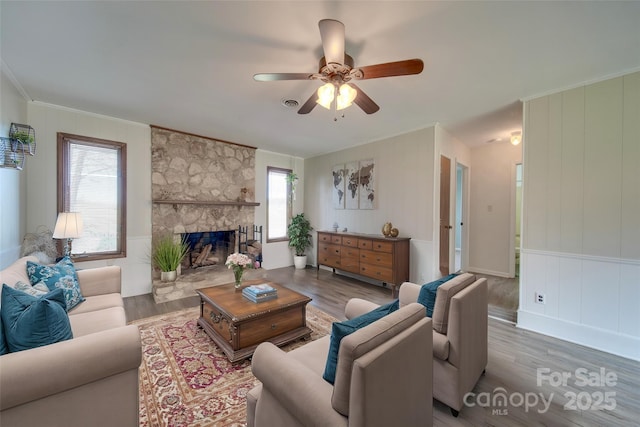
(461, 209)
(518, 199)
(445, 209)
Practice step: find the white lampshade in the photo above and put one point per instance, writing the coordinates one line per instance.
(325, 95)
(68, 225)
(346, 97)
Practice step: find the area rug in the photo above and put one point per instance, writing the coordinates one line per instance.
(186, 380)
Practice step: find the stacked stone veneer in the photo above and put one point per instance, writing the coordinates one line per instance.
(190, 168)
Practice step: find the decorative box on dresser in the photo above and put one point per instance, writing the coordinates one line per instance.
(376, 257)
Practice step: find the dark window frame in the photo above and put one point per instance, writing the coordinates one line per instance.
(63, 185)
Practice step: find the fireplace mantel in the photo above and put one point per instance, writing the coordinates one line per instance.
(199, 202)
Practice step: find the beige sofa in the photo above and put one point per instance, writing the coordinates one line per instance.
(90, 380)
(383, 378)
(459, 334)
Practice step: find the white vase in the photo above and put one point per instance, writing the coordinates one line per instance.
(168, 276)
(300, 261)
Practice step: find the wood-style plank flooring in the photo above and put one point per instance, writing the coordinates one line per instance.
(515, 355)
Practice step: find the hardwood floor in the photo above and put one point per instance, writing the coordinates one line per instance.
(515, 356)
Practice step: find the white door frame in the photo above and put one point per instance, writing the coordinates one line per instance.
(464, 239)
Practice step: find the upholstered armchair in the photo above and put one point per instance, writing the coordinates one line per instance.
(459, 334)
(383, 378)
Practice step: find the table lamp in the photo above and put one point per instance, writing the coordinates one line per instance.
(68, 226)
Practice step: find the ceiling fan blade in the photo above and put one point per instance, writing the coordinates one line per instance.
(309, 105)
(332, 35)
(363, 101)
(389, 69)
(271, 77)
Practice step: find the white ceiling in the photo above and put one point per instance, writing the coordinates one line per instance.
(189, 65)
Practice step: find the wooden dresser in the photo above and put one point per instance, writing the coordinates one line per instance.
(376, 257)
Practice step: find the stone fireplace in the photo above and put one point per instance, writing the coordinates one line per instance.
(203, 189)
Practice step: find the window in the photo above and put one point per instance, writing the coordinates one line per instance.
(278, 206)
(92, 181)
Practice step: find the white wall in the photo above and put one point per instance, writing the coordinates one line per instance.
(404, 190)
(41, 190)
(13, 183)
(492, 203)
(278, 254)
(581, 216)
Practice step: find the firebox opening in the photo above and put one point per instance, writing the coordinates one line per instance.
(208, 248)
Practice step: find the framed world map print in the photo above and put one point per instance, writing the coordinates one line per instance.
(352, 181)
(338, 175)
(366, 184)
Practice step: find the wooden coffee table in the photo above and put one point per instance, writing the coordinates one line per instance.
(238, 325)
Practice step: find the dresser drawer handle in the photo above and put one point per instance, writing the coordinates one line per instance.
(215, 318)
(273, 326)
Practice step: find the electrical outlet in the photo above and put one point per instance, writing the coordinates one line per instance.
(540, 298)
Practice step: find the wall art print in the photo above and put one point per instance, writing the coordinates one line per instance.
(366, 184)
(352, 181)
(338, 175)
(354, 185)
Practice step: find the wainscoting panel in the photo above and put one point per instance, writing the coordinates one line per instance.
(593, 301)
(423, 261)
(136, 267)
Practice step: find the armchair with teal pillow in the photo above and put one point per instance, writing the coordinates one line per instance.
(339, 330)
(459, 321)
(428, 292)
(383, 378)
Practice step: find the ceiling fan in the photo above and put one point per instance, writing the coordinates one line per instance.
(338, 72)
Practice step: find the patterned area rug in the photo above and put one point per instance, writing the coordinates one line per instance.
(185, 380)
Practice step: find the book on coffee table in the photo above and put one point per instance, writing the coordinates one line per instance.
(260, 289)
(259, 298)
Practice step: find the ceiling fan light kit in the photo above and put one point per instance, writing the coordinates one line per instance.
(337, 71)
(326, 96)
(516, 138)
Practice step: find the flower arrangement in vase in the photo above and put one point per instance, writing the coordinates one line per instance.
(238, 262)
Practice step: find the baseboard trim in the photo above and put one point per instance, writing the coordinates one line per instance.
(500, 319)
(489, 272)
(610, 342)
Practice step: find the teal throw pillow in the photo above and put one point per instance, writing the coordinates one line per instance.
(427, 296)
(3, 343)
(339, 330)
(31, 322)
(62, 275)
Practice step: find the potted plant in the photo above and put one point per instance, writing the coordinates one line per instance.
(167, 256)
(291, 180)
(26, 140)
(299, 232)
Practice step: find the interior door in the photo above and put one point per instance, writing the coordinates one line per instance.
(445, 203)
